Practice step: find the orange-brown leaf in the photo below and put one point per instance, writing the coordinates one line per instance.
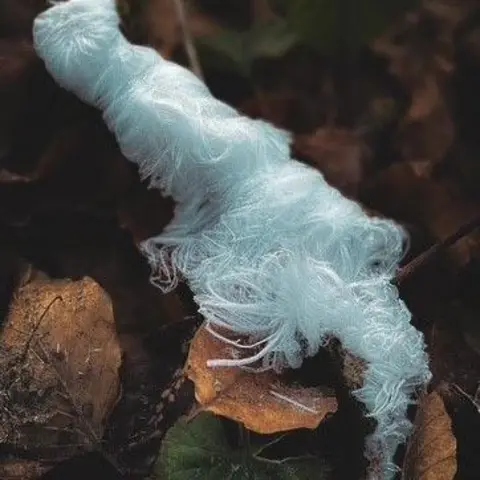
(431, 453)
(258, 400)
(58, 368)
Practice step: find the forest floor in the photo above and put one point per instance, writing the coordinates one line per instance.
(92, 355)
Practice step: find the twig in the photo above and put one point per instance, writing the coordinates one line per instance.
(427, 256)
(28, 343)
(473, 400)
(188, 39)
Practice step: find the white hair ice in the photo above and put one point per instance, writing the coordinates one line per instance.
(268, 248)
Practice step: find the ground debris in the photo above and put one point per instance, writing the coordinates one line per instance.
(260, 401)
(60, 364)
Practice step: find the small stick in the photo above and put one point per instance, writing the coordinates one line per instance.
(188, 39)
(28, 343)
(428, 255)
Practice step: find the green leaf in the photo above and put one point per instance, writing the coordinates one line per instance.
(226, 50)
(315, 21)
(199, 450)
(270, 40)
(279, 7)
(237, 51)
(323, 24)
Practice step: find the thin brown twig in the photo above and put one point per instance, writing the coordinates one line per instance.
(188, 39)
(28, 343)
(427, 256)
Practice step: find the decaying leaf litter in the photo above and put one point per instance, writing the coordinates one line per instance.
(389, 115)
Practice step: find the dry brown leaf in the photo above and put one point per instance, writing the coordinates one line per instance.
(421, 54)
(426, 98)
(405, 192)
(431, 454)
(22, 470)
(451, 12)
(352, 367)
(258, 400)
(427, 131)
(59, 368)
(275, 106)
(339, 154)
(56, 154)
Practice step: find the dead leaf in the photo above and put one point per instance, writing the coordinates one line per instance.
(22, 470)
(258, 400)
(59, 363)
(70, 161)
(421, 53)
(448, 11)
(339, 154)
(352, 367)
(275, 106)
(405, 192)
(431, 453)
(452, 359)
(425, 100)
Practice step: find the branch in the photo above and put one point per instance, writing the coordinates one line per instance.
(188, 39)
(430, 254)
